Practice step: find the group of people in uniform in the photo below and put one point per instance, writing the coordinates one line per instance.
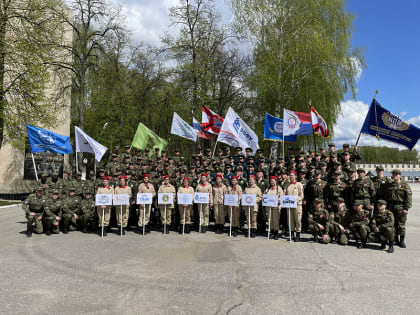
(336, 202)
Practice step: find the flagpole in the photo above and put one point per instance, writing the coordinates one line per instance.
(36, 173)
(214, 149)
(357, 141)
(313, 133)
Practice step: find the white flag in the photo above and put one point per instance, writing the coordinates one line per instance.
(84, 143)
(182, 129)
(236, 132)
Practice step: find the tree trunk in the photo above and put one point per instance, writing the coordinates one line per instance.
(3, 19)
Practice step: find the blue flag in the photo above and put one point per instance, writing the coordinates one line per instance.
(273, 129)
(383, 124)
(42, 140)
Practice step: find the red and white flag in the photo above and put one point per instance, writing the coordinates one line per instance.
(210, 121)
(318, 123)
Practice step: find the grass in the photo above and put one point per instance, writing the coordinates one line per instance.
(8, 203)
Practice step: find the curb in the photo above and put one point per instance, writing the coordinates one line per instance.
(9, 206)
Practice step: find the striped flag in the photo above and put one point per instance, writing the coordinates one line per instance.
(201, 133)
(210, 121)
(318, 123)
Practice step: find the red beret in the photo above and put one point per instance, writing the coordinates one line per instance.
(123, 177)
(204, 174)
(105, 178)
(235, 177)
(292, 172)
(186, 178)
(219, 175)
(252, 176)
(146, 176)
(166, 176)
(273, 177)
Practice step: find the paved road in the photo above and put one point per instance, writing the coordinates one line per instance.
(202, 274)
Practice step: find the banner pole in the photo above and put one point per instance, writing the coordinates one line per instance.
(269, 224)
(214, 149)
(144, 218)
(121, 220)
(199, 226)
(77, 165)
(33, 161)
(282, 144)
(183, 226)
(290, 229)
(103, 215)
(249, 222)
(230, 228)
(164, 226)
(357, 141)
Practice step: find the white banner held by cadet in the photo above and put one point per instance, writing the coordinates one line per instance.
(288, 201)
(201, 197)
(84, 143)
(103, 200)
(165, 198)
(182, 129)
(120, 199)
(144, 199)
(270, 201)
(231, 200)
(185, 199)
(249, 200)
(235, 132)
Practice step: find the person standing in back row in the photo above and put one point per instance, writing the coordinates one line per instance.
(205, 187)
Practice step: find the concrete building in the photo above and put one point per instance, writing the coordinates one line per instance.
(409, 172)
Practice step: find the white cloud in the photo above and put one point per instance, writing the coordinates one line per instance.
(350, 122)
(402, 114)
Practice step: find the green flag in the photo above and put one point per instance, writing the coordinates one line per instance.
(145, 137)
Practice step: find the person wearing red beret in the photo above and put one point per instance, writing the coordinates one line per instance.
(274, 189)
(296, 189)
(122, 188)
(235, 189)
(166, 187)
(253, 189)
(145, 188)
(219, 191)
(106, 210)
(205, 187)
(185, 189)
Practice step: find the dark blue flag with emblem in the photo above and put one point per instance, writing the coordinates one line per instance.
(41, 140)
(383, 124)
(273, 129)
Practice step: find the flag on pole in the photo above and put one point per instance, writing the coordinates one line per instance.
(297, 123)
(210, 121)
(318, 123)
(273, 129)
(41, 140)
(381, 123)
(201, 133)
(237, 133)
(182, 129)
(145, 137)
(85, 143)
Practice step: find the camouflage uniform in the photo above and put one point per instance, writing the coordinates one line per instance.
(34, 204)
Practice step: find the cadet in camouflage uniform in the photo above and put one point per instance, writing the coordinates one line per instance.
(363, 189)
(53, 213)
(262, 215)
(360, 223)
(336, 188)
(339, 223)
(71, 205)
(34, 209)
(315, 190)
(319, 222)
(383, 226)
(380, 182)
(399, 198)
(86, 212)
(54, 182)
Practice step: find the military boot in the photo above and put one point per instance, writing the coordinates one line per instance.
(364, 243)
(29, 231)
(203, 229)
(48, 232)
(123, 230)
(66, 228)
(218, 229)
(188, 228)
(235, 232)
(253, 233)
(276, 235)
(292, 235)
(359, 243)
(297, 239)
(105, 232)
(271, 234)
(391, 247)
(402, 241)
(315, 238)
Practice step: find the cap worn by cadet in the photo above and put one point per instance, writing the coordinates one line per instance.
(331, 144)
(259, 151)
(248, 150)
(55, 192)
(72, 189)
(339, 199)
(382, 202)
(396, 171)
(379, 167)
(44, 173)
(318, 172)
(337, 173)
(317, 200)
(346, 145)
(361, 170)
(238, 169)
(91, 173)
(358, 202)
(39, 188)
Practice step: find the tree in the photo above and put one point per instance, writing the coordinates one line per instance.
(302, 52)
(30, 37)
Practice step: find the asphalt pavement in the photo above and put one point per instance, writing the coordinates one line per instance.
(202, 274)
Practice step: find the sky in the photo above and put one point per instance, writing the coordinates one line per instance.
(385, 30)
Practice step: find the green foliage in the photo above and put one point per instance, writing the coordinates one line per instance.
(382, 155)
(30, 34)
